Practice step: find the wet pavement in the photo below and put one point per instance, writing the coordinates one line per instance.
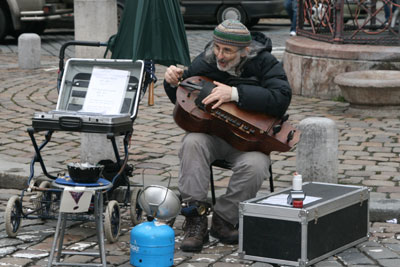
(368, 156)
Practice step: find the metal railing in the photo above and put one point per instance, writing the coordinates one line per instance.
(350, 21)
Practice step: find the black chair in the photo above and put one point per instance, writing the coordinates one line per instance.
(225, 165)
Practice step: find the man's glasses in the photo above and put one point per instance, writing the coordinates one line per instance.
(225, 51)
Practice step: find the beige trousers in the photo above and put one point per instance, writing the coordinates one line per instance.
(197, 153)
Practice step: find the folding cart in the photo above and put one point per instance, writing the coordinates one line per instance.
(73, 113)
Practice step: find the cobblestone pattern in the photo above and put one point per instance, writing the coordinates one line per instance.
(368, 146)
(33, 243)
(368, 155)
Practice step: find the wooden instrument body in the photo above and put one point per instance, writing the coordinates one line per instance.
(244, 130)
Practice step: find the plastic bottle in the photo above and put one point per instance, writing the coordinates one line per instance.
(297, 182)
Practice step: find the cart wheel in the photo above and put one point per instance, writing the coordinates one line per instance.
(137, 215)
(13, 216)
(112, 221)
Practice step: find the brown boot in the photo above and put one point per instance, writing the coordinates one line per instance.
(196, 233)
(223, 230)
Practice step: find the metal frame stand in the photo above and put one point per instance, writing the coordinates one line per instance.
(60, 231)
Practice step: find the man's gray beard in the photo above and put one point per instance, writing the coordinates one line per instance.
(231, 65)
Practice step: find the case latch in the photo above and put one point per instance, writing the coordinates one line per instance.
(316, 216)
(362, 197)
(70, 123)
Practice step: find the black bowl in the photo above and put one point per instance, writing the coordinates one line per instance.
(83, 174)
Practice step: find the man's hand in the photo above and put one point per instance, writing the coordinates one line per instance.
(221, 93)
(172, 75)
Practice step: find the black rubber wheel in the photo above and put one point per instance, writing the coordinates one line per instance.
(253, 22)
(112, 221)
(3, 24)
(13, 216)
(232, 12)
(37, 27)
(137, 214)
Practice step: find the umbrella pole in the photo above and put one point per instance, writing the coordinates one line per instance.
(153, 80)
(151, 94)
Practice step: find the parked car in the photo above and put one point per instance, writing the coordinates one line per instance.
(248, 12)
(18, 16)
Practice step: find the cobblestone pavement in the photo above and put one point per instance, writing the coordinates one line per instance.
(368, 155)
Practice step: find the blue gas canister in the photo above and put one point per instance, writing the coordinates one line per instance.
(152, 244)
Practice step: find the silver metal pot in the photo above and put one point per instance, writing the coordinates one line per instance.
(160, 202)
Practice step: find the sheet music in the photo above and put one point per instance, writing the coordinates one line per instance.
(106, 91)
(281, 199)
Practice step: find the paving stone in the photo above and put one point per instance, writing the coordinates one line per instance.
(193, 264)
(7, 251)
(378, 183)
(234, 258)
(328, 263)
(14, 262)
(391, 189)
(114, 260)
(360, 265)
(228, 264)
(206, 258)
(354, 256)
(389, 262)
(78, 259)
(394, 247)
(5, 242)
(379, 252)
(394, 195)
(261, 264)
(30, 254)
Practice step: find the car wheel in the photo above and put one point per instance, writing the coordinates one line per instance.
(253, 21)
(37, 27)
(231, 12)
(3, 24)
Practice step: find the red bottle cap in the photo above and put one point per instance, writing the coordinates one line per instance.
(297, 203)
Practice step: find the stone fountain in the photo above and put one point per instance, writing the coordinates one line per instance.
(327, 46)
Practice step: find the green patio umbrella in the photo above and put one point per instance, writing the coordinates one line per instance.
(152, 30)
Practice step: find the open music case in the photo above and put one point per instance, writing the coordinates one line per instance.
(334, 218)
(74, 86)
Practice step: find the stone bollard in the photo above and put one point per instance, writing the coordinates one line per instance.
(29, 51)
(89, 17)
(317, 150)
(97, 147)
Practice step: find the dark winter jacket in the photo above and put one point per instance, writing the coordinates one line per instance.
(262, 83)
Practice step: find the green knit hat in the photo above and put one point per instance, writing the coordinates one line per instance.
(232, 32)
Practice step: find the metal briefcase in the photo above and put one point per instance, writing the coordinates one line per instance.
(73, 91)
(274, 232)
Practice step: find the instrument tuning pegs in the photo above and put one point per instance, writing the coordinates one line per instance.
(290, 135)
(276, 129)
